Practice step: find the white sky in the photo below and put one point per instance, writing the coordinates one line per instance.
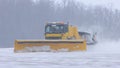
(107, 3)
(115, 4)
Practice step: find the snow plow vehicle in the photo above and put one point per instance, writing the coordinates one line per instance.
(58, 37)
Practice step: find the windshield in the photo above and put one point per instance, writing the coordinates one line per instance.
(55, 29)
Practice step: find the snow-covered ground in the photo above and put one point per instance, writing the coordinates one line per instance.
(104, 55)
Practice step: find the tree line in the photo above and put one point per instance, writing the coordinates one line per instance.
(23, 19)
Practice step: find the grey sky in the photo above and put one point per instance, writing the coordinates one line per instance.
(114, 4)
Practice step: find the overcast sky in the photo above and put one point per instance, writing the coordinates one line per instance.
(108, 3)
(115, 4)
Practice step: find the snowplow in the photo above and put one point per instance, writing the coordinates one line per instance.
(58, 37)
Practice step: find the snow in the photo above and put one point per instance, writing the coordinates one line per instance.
(45, 48)
(36, 49)
(102, 55)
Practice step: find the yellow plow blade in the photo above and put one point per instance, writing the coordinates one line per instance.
(49, 45)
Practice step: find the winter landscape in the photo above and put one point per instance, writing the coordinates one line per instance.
(25, 19)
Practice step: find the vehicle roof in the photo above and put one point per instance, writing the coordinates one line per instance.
(56, 23)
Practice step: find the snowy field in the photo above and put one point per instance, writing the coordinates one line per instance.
(105, 55)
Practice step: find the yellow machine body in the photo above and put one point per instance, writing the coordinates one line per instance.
(66, 40)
